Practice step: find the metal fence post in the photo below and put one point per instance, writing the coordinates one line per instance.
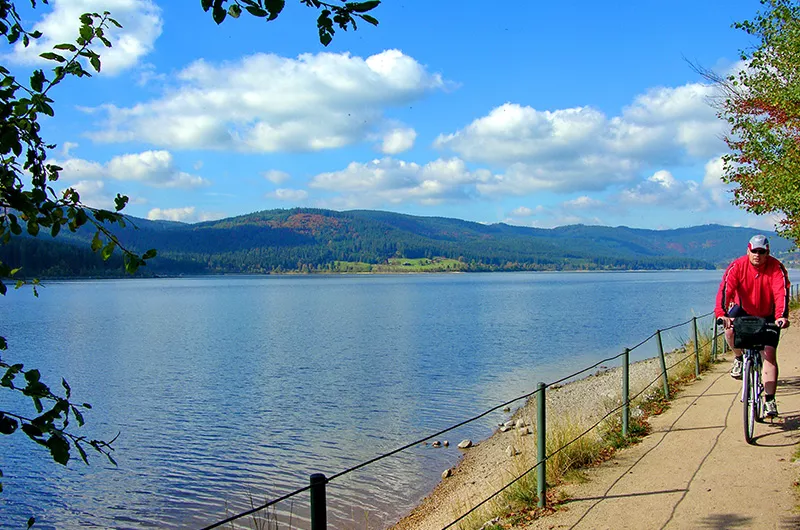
(663, 364)
(696, 349)
(319, 516)
(541, 447)
(625, 391)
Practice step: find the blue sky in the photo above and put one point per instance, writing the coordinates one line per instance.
(531, 113)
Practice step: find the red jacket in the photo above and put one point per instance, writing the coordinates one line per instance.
(761, 292)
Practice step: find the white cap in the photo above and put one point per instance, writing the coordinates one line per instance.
(758, 241)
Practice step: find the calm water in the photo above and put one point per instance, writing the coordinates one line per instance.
(227, 391)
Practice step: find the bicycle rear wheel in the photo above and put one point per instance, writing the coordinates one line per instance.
(749, 402)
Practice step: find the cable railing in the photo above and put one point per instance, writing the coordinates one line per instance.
(318, 481)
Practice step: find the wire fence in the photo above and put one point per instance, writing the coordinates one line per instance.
(319, 481)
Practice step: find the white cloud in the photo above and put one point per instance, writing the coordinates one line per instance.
(583, 149)
(66, 147)
(275, 176)
(289, 195)
(547, 217)
(391, 181)
(398, 140)
(94, 194)
(154, 168)
(185, 214)
(663, 189)
(581, 203)
(521, 211)
(712, 181)
(141, 25)
(267, 103)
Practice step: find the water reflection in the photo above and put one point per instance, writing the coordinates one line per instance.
(230, 391)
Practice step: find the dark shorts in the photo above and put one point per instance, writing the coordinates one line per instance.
(770, 338)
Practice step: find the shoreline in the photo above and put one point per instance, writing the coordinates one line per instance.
(487, 466)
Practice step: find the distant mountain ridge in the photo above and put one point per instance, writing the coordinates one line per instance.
(316, 240)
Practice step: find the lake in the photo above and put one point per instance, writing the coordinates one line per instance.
(227, 391)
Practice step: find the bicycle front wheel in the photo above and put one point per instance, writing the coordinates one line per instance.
(749, 402)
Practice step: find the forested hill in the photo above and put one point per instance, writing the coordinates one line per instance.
(313, 240)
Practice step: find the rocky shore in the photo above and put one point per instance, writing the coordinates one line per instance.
(489, 465)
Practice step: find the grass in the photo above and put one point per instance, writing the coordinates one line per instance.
(582, 449)
(400, 265)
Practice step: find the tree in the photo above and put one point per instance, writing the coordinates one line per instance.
(332, 15)
(28, 200)
(762, 106)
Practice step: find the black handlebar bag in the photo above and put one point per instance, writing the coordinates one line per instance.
(749, 332)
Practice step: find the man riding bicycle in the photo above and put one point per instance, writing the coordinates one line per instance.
(756, 284)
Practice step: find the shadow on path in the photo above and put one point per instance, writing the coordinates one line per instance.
(606, 495)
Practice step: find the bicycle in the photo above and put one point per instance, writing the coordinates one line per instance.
(749, 334)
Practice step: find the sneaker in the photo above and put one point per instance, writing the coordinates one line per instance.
(770, 409)
(736, 369)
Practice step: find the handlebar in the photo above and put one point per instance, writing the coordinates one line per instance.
(774, 325)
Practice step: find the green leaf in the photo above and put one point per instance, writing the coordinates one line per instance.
(37, 81)
(31, 521)
(55, 229)
(235, 10)
(108, 250)
(362, 7)
(50, 56)
(66, 46)
(274, 7)
(33, 376)
(95, 62)
(59, 448)
(150, 254)
(66, 387)
(78, 415)
(120, 201)
(206, 4)
(219, 14)
(32, 431)
(370, 19)
(87, 32)
(257, 11)
(132, 263)
(7, 425)
(33, 227)
(97, 243)
(82, 453)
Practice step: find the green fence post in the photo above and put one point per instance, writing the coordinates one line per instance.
(663, 364)
(625, 391)
(696, 349)
(541, 447)
(319, 515)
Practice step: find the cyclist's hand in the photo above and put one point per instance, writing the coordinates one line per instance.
(727, 322)
(782, 322)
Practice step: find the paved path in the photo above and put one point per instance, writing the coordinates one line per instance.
(695, 470)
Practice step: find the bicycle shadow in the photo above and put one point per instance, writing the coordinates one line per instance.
(789, 386)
